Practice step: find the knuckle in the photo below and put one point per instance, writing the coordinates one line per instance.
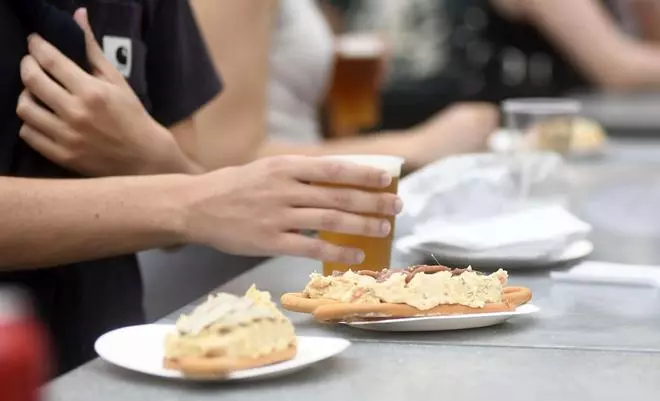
(342, 199)
(75, 142)
(25, 130)
(330, 221)
(21, 106)
(334, 170)
(95, 97)
(382, 204)
(270, 225)
(370, 226)
(78, 116)
(277, 163)
(386, 204)
(28, 74)
(29, 77)
(316, 249)
(68, 157)
(303, 198)
(46, 59)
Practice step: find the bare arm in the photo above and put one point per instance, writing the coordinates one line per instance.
(51, 222)
(461, 128)
(185, 134)
(233, 126)
(257, 209)
(584, 31)
(237, 33)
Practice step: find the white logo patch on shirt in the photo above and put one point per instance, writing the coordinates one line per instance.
(120, 53)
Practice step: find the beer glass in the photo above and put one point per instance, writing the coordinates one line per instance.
(353, 99)
(543, 124)
(540, 124)
(377, 251)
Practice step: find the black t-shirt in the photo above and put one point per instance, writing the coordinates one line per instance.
(158, 48)
(482, 53)
(499, 58)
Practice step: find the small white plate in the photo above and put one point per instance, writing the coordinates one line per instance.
(501, 141)
(444, 323)
(140, 348)
(576, 251)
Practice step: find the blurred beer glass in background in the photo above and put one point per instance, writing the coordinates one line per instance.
(539, 124)
(542, 124)
(354, 98)
(377, 251)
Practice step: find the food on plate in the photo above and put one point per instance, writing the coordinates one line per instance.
(578, 135)
(588, 136)
(228, 333)
(398, 293)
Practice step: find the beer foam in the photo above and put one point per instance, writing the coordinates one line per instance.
(360, 45)
(391, 164)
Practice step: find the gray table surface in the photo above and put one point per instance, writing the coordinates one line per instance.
(623, 110)
(589, 342)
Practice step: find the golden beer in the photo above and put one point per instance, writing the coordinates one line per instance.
(353, 99)
(377, 251)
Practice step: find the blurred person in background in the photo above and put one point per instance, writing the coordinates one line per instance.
(490, 50)
(72, 107)
(278, 56)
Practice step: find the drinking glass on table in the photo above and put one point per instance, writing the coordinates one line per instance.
(539, 124)
(542, 124)
(354, 95)
(377, 251)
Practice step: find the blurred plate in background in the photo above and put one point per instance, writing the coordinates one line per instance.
(573, 253)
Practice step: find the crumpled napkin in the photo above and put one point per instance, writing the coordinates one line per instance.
(539, 232)
(471, 206)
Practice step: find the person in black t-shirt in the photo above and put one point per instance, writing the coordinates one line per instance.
(63, 238)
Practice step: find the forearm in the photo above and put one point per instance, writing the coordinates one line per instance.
(177, 162)
(238, 34)
(588, 36)
(51, 222)
(176, 153)
(229, 134)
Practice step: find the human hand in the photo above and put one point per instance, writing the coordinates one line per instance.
(93, 124)
(260, 208)
(462, 128)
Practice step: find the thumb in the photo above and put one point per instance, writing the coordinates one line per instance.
(94, 52)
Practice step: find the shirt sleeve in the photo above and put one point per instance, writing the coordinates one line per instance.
(180, 74)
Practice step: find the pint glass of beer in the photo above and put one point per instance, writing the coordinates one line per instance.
(353, 100)
(377, 251)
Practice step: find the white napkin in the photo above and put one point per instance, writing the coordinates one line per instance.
(611, 273)
(470, 206)
(537, 232)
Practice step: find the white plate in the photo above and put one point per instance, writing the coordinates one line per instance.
(576, 251)
(500, 141)
(444, 323)
(140, 348)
